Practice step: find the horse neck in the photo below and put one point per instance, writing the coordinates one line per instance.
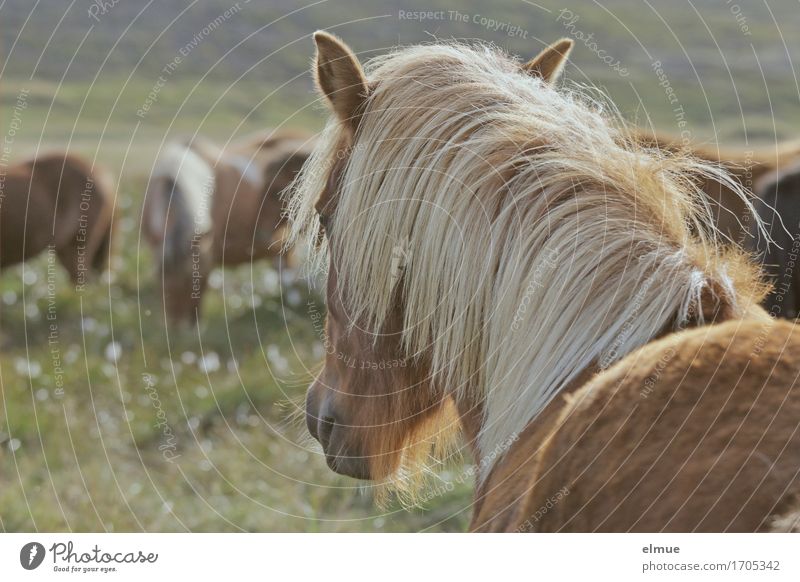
(471, 412)
(515, 472)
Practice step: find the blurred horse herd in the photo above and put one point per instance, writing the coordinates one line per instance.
(204, 207)
(208, 206)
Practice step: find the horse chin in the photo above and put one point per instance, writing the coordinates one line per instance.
(355, 467)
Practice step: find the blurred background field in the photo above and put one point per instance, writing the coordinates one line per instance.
(88, 457)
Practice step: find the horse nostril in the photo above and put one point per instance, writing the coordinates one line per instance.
(326, 424)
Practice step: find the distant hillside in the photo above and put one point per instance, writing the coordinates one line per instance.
(713, 53)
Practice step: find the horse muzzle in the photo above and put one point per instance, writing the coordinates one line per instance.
(327, 427)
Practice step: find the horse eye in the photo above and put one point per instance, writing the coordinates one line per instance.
(323, 230)
(323, 222)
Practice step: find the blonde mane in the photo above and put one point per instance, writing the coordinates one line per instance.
(537, 238)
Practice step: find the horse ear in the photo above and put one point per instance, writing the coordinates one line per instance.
(339, 77)
(714, 305)
(549, 63)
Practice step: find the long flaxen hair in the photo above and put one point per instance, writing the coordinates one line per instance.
(538, 239)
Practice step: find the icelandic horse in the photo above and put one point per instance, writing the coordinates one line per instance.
(207, 207)
(57, 201)
(560, 285)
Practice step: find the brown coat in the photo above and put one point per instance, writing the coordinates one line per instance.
(249, 218)
(57, 200)
(698, 431)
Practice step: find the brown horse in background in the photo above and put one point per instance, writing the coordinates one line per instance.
(770, 175)
(57, 201)
(747, 167)
(208, 207)
(493, 243)
(778, 203)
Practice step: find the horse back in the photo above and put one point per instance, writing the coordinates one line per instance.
(698, 431)
(27, 216)
(56, 199)
(248, 208)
